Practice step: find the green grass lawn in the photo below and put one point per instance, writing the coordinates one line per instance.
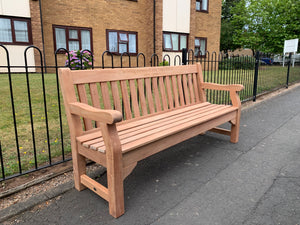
(270, 77)
(21, 103)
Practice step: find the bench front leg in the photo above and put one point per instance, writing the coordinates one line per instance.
(235, 126)
(114, 163)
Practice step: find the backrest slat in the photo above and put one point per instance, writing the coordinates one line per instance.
(191, 88)
(175, 91)
(105, 95)
(186, 90)
(149, 95)
(169, 91)
(163, 93)
(156, 94)
(126, 102)
(142, 96)
(83, 98)
(95, 97)
(195, 83)
(134, 100)
(180, 90)
(116, 95)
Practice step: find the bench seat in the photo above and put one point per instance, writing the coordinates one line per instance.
(142, 131)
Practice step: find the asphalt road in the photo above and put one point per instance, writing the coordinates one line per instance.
(205, 180)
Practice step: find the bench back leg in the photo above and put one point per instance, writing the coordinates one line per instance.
(235, 128)
(79, 168)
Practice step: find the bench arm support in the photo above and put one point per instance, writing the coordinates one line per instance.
(90, 112)
(232, 88)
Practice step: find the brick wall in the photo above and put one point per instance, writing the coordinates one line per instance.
(36, 30)
(100, 15)
(125, 15)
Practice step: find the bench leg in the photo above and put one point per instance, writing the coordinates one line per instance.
(115, 193)
(114, 166)
(79, 168)
(235, 128)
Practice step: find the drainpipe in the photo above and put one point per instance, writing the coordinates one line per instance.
(42, 30)
(153, 26)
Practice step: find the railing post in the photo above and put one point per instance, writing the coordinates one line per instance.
(184, 56)
(288, 71)
(255, 75)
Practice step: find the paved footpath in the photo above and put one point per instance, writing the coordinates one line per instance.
(205, 180)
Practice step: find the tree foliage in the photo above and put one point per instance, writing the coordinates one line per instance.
(265, 23)
(227, 27)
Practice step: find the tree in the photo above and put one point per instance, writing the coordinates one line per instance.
(267, 23)
(227, 27)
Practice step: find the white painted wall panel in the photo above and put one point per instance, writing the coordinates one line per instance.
(16, 58)
(176, 15)
(19, 8)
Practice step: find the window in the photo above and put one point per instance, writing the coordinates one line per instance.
(15, 30)
(174, 41)
(119, 42)
(200, 46)
(202, 5)
(72, 38)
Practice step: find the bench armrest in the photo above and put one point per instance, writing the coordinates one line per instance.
(232, 88)
(90, 112)
(223, 87)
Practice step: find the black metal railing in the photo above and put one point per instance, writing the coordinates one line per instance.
(34, 130)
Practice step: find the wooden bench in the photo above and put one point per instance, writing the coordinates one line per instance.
(118, 117)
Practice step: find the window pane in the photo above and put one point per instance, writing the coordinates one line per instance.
(167, 41)
(197, 42)
(183, 41)
(113, 41)
(60, 37)
(197, 49)
(122, 48)
(5, 30)
(204, 5)
(73, 34)
(202, 46)
(132, 43)
(197, 5)
(86, 39)
(123, 37)
(175, 42)
(21, 31)
(73, 45)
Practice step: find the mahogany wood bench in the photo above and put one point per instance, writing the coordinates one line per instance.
(118, 117)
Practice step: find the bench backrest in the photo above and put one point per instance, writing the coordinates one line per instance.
(135, 92)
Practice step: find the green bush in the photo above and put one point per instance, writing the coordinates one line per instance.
(236, 63)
